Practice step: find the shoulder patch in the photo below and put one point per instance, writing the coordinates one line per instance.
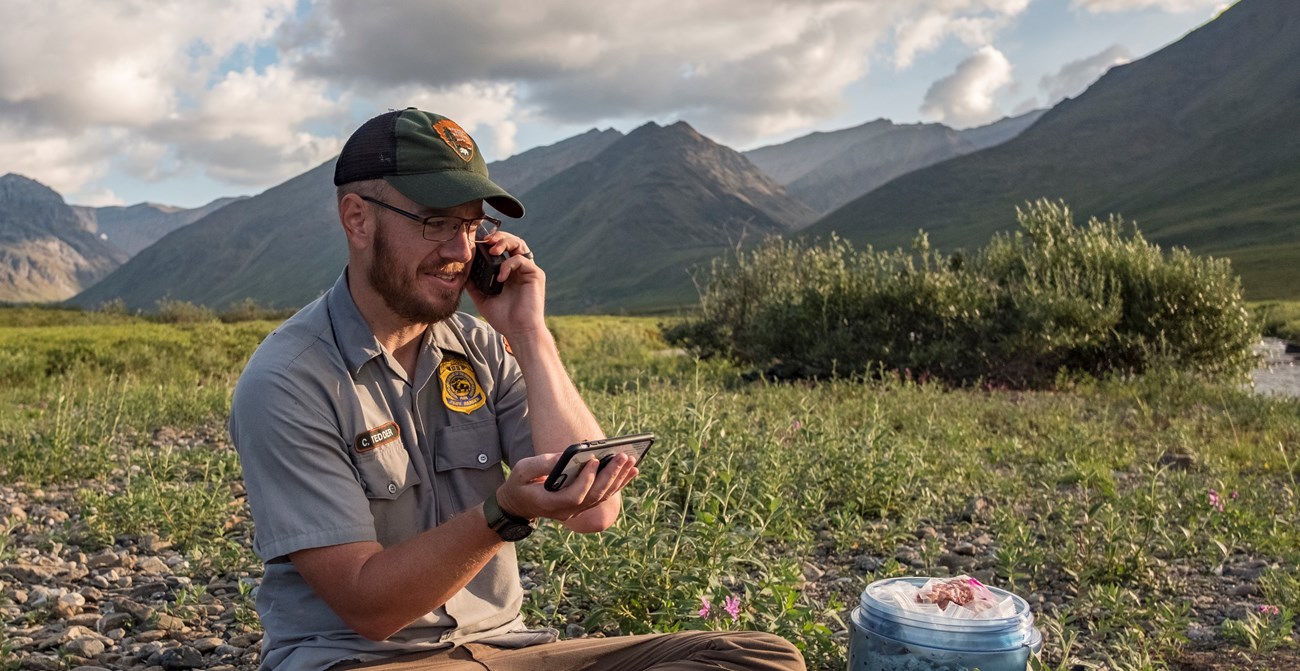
(380, 435)
(461, 391)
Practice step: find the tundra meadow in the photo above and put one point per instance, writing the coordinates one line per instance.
(1149, 519)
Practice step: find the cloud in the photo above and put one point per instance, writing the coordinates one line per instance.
(948, 18)
(83, 85)
(1177, 6)
(737, 70)
(249, 92)
(252, 128)
(96, 197)
(965, 98)
(1075, 76)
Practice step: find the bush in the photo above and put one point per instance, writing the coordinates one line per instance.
(182, 312)
(1048, 297)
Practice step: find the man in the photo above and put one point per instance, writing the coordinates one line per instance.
(373, 427)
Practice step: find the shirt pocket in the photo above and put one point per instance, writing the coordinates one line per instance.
(387, 471)
(468, 465)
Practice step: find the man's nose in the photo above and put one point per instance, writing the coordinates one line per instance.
(460, 247)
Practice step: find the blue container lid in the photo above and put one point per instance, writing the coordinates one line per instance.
(939, 631)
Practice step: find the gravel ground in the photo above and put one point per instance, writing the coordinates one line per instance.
(137, 605)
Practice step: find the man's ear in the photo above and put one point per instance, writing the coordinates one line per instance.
(358, 221)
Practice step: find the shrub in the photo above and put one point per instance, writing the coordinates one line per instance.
(182, 312)
(1049, 297)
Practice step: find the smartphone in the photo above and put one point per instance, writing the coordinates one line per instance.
(577, 456)
(484, 268)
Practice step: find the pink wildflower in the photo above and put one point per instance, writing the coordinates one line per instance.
(705, 606)
(732, 605)
(1215, 501)
(1266, 609)
(796, 425)
(1233, 495)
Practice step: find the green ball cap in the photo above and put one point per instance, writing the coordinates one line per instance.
(426, 157)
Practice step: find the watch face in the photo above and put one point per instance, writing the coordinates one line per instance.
(515, 532)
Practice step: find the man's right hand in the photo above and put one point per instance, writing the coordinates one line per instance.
(523, 495)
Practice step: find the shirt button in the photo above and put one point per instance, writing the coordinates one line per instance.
(392, 488)
(482, 458)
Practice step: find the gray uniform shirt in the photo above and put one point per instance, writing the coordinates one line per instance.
(339, 445)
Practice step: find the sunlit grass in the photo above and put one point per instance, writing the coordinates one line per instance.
(748, 485)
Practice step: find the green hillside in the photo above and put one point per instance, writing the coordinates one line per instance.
(623, 230)
(281, 248)
(1197, 143)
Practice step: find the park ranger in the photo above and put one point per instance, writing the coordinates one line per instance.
(373, 427)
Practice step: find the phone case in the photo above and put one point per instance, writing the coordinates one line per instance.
(577, 456)
(484, 268)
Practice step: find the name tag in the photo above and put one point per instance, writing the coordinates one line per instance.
(380, 435)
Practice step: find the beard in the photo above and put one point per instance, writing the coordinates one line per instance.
(399, 290)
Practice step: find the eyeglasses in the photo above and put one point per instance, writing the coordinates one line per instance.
(441, 227)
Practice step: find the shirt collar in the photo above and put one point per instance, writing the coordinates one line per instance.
(357, 342)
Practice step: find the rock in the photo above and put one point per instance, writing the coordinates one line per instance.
(29, 573)
(105, 559)
(246, 640)
(84, 620)
(227, 651)
(152, 543)
(866, 564)
(85, 647)
(41, 663)
(138, 611)
(207, 645)
(183, 657)
(168, 622)
(89, 668)
(67, 605)
(978, 509)
(926, 533)
(114, 621)
(811, 572)
(964, 548)
(574, 631)
(1245, 589)
(957, 563)
(153, 566)
(1178, 462)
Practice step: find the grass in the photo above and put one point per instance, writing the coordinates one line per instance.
(1095, 496)
(1279, 319)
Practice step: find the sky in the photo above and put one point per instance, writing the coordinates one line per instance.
(116, 102)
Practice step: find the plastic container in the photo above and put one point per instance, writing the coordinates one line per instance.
(885, 637)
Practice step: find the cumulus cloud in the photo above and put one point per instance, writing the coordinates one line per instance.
(84, 84)
(171, 88)
(1076, 76)
(973, 22)
(965, 98)
(1099, 6)
(736, 70)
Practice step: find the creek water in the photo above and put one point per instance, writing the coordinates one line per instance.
(1278, 373)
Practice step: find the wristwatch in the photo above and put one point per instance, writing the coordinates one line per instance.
(509, 527)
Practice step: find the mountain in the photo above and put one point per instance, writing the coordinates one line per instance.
(1198, 143)
(525, 170)
(282, 248)
(46, 253)
(617, 231)
(622, 230)
(133, 228)
(826, 170)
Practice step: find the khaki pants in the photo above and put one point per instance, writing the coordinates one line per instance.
(680, 651)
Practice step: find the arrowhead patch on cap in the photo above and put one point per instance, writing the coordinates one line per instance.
(456, 138)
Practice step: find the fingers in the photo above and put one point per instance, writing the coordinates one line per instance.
(591, 487)
(502, 242)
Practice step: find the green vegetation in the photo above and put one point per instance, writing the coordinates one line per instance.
(1114, 500)
(1052, 297)
(1279, 319)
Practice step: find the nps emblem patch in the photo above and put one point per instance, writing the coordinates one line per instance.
(461, 391)
(456, 138)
